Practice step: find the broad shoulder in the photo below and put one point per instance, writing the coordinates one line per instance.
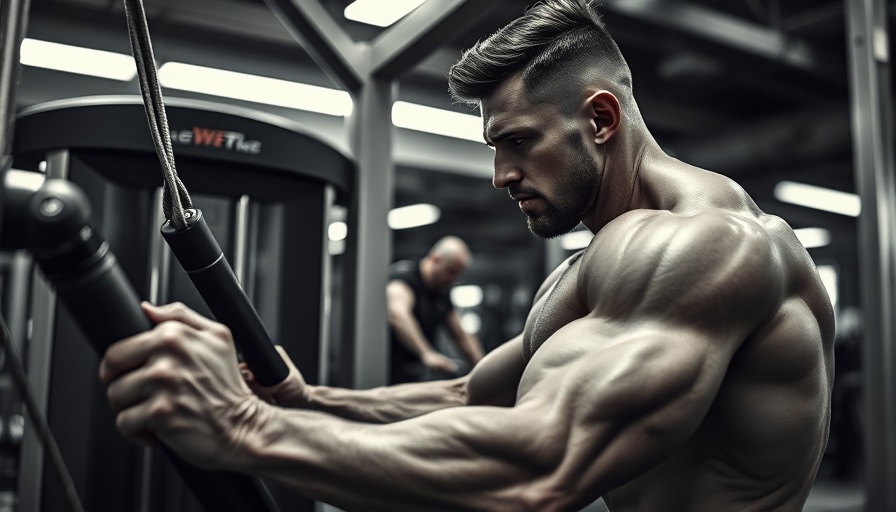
(651, 263)
(399, 294)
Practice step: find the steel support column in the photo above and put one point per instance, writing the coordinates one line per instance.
(13, 24)
(369, 72)
(369, 245)
(872, 121)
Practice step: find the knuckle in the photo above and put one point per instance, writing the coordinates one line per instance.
(163, 373)
(171, 335)
(161, 409)
(168, 329)
(221, 331)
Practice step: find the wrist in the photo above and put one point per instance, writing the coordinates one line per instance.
(247, 433)
(310, 396)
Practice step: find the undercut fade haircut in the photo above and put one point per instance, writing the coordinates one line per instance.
(552, 46)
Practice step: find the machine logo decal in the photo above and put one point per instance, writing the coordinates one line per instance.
(218, 139)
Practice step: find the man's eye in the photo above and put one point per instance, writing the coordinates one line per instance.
(518, 141)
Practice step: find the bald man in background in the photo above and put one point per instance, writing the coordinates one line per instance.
(418, 303)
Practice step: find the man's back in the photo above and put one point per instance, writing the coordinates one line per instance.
(765, 427)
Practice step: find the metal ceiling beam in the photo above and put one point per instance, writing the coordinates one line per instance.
(797, 137)
(313, 27)
(399, 49)
(821, 16)
(718, 28)
(248, 21)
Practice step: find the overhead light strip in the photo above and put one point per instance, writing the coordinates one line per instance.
(820, 198)
(813, 237)
(413, 216)
(312, 98)
(437, 121)
(403, 217)
(466, 296)
(380, 13)
(257, 89)
(76, 59)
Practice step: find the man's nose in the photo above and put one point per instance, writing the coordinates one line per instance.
(505, 172)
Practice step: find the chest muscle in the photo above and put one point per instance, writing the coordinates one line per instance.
(558, 307)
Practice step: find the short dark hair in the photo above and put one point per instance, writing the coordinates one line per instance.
(550, 45)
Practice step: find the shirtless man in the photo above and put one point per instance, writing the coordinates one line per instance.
(681, 362)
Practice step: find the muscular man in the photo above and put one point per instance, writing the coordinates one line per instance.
(418, 303)
(681, 362)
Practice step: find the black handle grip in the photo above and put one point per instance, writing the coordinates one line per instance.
(80, 266)
(94, 289)
(201, 256)
(107, 309)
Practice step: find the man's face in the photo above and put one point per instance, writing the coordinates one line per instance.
(447, 270)
(541, 159)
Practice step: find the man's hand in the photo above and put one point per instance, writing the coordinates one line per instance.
(292, 392)
(438, 362)
(179, 383)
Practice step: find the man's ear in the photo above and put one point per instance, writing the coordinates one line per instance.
(605, 113)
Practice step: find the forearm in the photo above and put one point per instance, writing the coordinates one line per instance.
(388, 404)
(409, 334)
(474, 458)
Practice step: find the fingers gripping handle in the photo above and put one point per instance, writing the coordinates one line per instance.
(94, 289)
(201, 256)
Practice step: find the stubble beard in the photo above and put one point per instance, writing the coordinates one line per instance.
(575, 191)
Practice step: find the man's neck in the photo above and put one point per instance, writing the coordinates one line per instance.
(625, 186)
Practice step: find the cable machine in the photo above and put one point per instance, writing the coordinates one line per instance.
(266, 186)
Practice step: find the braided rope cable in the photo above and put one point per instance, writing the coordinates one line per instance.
(175, 198)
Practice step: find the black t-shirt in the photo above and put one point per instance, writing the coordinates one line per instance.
(430, 310)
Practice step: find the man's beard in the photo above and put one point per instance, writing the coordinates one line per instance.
(574, 193)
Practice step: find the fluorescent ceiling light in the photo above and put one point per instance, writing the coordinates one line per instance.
(75, 59)
(435, 120)
(466, 296)
(813, 237)
(470, 322)
(819, 198)
(381, 13)
(336, 247)
(576, 240)
(24, 179)
(337, 231)
(258, 89)
(413, 216)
